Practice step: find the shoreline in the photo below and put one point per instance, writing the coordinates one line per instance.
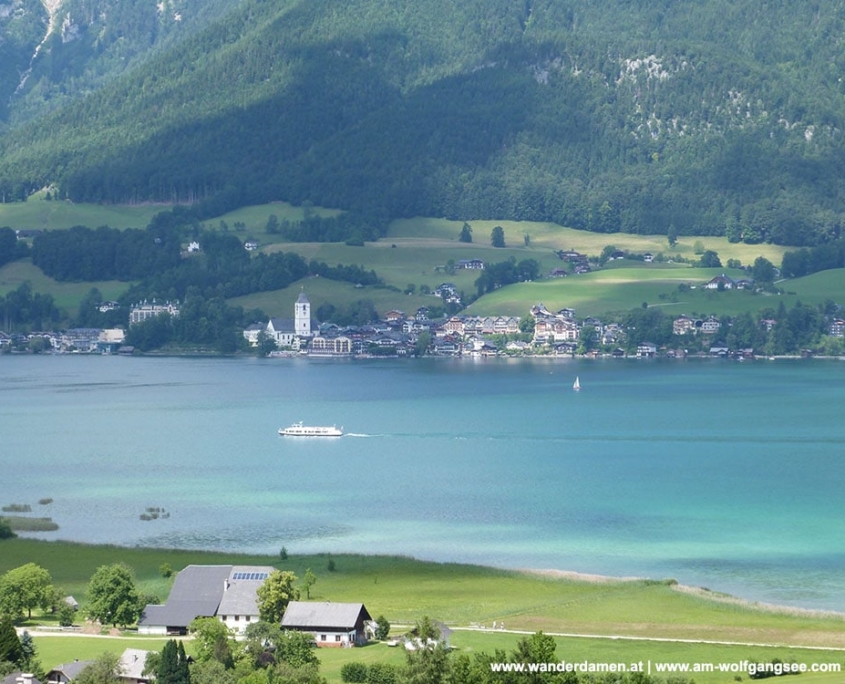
(542, 573)
(699, 592)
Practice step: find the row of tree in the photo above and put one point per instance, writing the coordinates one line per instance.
(779, 331)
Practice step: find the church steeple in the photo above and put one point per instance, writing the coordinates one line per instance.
(302, 315)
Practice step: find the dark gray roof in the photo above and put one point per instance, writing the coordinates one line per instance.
(70, 670)
(303, 614)
(196, 592)
(177, 613)
(283, 324)
(208, 590)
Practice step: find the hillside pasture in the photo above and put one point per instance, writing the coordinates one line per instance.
(818, 287)
(38, 213)
(554, 237)
(623, 288)
(255, 218)
(66, 295)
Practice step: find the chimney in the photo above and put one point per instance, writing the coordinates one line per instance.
(226, 585)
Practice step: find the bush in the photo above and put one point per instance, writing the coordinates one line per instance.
(355, 673)
(382, 673)
(383, 628)
(6, 530)
(66, 615)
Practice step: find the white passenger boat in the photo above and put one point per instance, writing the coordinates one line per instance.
(300, 430)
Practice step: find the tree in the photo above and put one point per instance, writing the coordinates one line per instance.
(763, 270)
(382, 628)
(104, 670)
(262, 640)
(212, 641)
(429, 663)
(211, 672)
(710, 259)
(296, 649)
(309, 581)
(422, 344)
(497, 236)
(466, 233)
(172, 666)
(66, 614)
(672, 235)
(28, 652)
(6, 531)
(274, 595)
(24, 588)
(112, 595)
(10, 644)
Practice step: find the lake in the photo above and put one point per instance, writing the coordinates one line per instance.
(716, 473)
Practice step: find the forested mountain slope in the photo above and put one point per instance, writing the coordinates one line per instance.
(707, 116)
(52, 51)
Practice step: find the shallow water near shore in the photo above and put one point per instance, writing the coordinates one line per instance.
(716, 473)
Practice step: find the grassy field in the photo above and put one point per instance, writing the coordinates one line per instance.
(66, 295)
(466, 596)
(53, 650)
(550, 236)
(40, 214)
(415, 252)
(403, 589)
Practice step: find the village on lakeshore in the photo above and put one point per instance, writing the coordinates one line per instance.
(401, 334)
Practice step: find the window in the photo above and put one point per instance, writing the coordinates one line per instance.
(337, 637)
(237, 617)
(223, 617)
(322, 637)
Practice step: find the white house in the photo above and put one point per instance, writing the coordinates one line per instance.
(227, 592)
(332, 624)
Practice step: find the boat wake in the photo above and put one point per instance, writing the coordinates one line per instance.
(362, 434)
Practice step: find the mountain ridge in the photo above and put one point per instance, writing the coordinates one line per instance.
(703, 118)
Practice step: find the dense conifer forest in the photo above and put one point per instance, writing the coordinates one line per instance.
(714, 117)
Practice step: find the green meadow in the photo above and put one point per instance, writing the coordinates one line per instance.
(40, 214)
(641, 615)
(67, 295)
(415, 253)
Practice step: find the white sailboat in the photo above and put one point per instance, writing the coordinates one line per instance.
(577, 384)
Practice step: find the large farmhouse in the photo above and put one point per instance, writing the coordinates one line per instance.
(332, 624)
(227, 592)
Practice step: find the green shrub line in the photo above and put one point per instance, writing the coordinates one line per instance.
(17, 508)
(20, 523)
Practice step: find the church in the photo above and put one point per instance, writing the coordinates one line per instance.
(286, 332)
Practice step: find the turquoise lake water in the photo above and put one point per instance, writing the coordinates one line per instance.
(719, 474)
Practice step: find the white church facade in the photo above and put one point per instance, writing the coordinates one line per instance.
(286, 332)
